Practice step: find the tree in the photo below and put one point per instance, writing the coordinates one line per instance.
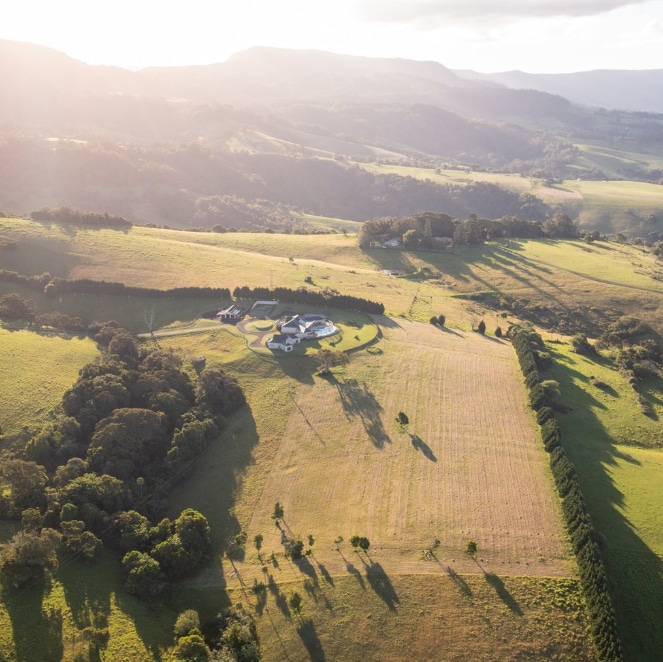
(330, 358)
(354, 541)
(411, 239)
(481, 328)
(219, 393)
(581, 345)
(191, 648)
(364, 543)
(25, 482)
(128, 442)
(402, 419)
(295, 603)
(29, 556)
(498, 332)
(433, 320)
(257, 542)
(441, 319)
(278, 511)
(143, 574)
(188, 620)
(471, 548)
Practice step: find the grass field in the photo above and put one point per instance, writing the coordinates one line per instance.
(331, 452)
(35, 370)
(620, 479)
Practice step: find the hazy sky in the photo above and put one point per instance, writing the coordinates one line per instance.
(485, 35)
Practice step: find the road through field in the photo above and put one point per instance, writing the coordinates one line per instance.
(470, 465)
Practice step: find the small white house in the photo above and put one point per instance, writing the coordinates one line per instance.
(282, 342)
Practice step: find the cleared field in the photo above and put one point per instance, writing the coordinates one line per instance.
(469, 467)
(35, 370)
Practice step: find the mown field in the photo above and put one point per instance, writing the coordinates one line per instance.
(337, 461)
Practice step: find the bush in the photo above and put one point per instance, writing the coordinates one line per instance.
(441, 319)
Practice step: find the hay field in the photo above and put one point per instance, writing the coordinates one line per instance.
(469, 466)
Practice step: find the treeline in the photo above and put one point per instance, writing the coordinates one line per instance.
(187, 185)
(303, 295)
(426, 229)
(98, 474)
(54, 286)
(69, 216)
(87, 286)
(533, 358)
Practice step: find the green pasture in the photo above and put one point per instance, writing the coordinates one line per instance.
(448, 176)
(35, 370)
(617, 452)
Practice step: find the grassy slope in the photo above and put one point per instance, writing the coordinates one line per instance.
(622, 486)
(35, 370)
(333, 455)
(565, 271)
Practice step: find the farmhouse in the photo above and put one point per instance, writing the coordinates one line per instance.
(282, 342)
(303, 326)
(233, 313)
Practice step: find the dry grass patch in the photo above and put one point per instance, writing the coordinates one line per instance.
(470, 465)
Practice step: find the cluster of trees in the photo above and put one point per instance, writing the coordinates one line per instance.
(426, 229)
(303, 295)
(531, 356)
(69, 216)
(99, 472)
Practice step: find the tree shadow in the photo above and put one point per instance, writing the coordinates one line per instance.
(462, 585)
(420, 445)
(503, 593)
(355, 573)
(325, 574)
(310, 639)
(279, 598)
(36, 631)
(381, 584)
(635, 571)
(305, 566)
(358, 400)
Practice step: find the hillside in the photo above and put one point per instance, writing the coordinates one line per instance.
(440, 479)
(271, 134)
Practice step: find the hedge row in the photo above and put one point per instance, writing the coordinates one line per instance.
(306, 296)
(86, 286)
(593, 578)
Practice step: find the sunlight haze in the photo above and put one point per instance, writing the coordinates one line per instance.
(538, 36)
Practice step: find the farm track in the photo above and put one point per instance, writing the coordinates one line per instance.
(469, 467)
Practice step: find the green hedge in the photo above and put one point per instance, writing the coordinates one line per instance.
(529, 349)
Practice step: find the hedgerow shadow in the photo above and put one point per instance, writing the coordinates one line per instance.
(634, 570)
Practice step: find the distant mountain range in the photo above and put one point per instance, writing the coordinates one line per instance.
(288, 127)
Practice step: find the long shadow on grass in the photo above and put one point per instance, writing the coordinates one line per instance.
(358, 400)
(635, 571)
(381, 584)
(310, 639)
(503, 593)
(420, 445)
(37, 631)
